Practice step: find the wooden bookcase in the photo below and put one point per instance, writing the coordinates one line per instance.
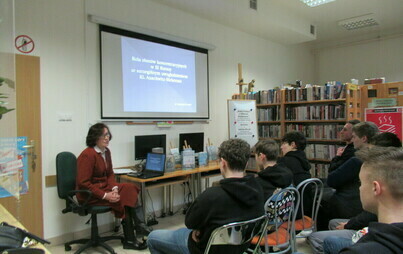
(319, 114)
(370, 92)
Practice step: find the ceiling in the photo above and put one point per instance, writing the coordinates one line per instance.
(289, 21)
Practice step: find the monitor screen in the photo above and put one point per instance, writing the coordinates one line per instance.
(145, 144)
(155, 162)
(194, 140)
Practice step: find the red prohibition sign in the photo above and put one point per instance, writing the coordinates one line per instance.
(24, 44)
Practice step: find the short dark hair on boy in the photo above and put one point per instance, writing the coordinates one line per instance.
(236, 152)
(386, 139)
(353, 122)
(385, 164)
(95, 132)
(297, 137)
(269, 148)
(368, 129)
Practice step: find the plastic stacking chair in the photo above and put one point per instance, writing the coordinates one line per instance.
(234, 237)
(279, 236)
(66, 171)
(311, 189)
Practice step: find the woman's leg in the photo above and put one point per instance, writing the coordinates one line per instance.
(169, 241)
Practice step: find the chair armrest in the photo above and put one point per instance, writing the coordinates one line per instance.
(73, 205)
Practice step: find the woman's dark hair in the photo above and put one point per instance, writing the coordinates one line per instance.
(386, 139)
(297, 137)
(95, 132)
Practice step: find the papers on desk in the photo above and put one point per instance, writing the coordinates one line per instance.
(122, 171)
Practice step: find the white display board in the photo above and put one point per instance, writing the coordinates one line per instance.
(242, 121)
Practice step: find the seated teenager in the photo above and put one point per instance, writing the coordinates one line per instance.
(271, 175)
(345, 202)
(237, 198)
(381, 193)
(341, 229)
(293, 145)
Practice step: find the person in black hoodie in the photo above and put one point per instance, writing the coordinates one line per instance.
(381, 193)
(271, 175)
(293, 145)
(237, 198)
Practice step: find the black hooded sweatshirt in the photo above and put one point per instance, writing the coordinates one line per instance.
(234, 200)
(381, 239)
(271, 178)
(299, 165)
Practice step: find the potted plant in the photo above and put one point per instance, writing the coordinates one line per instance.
(3, 109)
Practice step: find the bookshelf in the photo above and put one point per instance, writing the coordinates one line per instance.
(319, 112)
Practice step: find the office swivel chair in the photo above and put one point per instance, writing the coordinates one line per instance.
(66, 171)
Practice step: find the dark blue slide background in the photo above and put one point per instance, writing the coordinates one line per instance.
(145, 95)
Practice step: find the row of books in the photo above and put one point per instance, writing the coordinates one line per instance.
(268, 114)
(268, 96)
(269, 131)
(244, 96)
(320, 151)
(316, 112)
(328, 92)
(317, 131)
(319, 170)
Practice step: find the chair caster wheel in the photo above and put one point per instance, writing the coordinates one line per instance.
(67, 247)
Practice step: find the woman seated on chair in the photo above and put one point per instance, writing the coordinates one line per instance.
(94, 173)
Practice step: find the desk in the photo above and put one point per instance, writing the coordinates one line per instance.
(193, 176)
(10, 219)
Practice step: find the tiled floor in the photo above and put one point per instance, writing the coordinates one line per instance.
(170, 222)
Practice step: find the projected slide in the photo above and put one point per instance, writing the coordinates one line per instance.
(157, 78)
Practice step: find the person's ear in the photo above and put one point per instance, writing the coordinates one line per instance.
(376, 188)
(293, 145)
(365, 139)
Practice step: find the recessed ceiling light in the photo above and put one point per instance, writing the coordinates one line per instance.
(313, 3)
(359, 22)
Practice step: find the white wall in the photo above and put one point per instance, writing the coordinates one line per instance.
(68, 46)
(381, 58)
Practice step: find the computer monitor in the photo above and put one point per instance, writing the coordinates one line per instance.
(144, 144)
(194, 140)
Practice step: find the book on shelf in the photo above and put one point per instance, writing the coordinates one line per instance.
(319, 170)
(320, 151)
(315, 112)
(330, 91)
(269, 131)
(317, 131)
(268, 96)
(269, 114)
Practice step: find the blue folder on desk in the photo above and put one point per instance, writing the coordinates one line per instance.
(155, 166)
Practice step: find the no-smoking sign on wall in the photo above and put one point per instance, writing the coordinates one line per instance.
(24, 44)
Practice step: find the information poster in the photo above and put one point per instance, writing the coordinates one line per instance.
(242, 120)
(13, 167)
(387, 119)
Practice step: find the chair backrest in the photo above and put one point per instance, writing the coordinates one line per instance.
(235, 237)
(281, 210)
(311, 189)
(66, 171)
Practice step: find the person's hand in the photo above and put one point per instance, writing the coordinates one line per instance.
(195, 235)
(341, 225)
(112, 197)
(340, 151)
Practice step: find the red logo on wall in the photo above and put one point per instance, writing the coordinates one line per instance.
(24, 44)
(387, 119)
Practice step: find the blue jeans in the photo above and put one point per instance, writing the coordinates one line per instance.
(169, 241)
(334, 244)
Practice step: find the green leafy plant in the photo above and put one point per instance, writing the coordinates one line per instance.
(3, 109)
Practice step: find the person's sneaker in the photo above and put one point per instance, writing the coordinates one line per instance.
(135, 245)
(142, 229)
